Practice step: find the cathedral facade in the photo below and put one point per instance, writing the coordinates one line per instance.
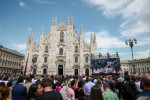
(61, 51)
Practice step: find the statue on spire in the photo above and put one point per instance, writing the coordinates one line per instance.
(29, 38)
(94, 37)
(71, 21)
(68, 20)
(56, 21)
(52, 23)
(81, 29)
(32, 38)
(42, 31)
(91, 38)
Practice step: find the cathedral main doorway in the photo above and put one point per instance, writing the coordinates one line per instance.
(60, 70)
(76, 72)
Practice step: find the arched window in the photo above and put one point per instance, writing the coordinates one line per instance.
(86, 59)
(76, 59)
(61, 51)
(62, 37)
(45, 59)
(35, 59)
(46, 49)
(76, 48)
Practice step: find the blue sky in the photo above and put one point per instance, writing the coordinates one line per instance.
(114, 21)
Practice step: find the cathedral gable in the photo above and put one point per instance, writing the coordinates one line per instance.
(62, 27)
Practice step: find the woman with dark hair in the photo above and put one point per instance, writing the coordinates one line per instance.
(99, 83)
(59, 84)
(34, 91)
(4, 93)
(96, 93)
(80, 92)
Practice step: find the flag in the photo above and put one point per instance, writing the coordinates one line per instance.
(26, 65)
(31, 67)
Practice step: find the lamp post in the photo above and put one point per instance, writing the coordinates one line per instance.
(131, 44)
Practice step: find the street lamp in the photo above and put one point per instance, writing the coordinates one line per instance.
(131, 44)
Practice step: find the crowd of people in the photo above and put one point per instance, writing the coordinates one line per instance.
(59, 87)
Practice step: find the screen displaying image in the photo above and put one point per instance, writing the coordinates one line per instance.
(109, 65)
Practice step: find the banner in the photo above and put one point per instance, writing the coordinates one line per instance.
(26, 65)
(31, 67)
(108, 65)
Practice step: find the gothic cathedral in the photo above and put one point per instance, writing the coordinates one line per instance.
(61, 51)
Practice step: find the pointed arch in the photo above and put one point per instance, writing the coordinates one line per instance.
(46, 49)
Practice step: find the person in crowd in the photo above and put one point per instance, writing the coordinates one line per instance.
(88, 86)
(109, 94)
(114, 81)
(73, 85)
(19, 92)
(54, 82)
(80, 92)
(15, 81)
(145, 85)
(2, 84)
(96, 93)
(128, 89)
(33, 79)
(106, 79)
(66, 92)
(5, 80)
(59, 84)
(99, 83)
(34, 91)
(49, 94)
(110, 78)
(119, 86)
(4, 93)
(10, 86)
(138, 84)
(134, 91)
(112, 87)
(28, 84)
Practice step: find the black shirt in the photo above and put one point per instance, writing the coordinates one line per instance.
(50, 95)
(79, 93)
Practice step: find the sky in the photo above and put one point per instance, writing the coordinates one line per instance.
(113, 21)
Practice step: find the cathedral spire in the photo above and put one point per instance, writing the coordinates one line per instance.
(35, 42)
(52, 23)
(32, 38)
(91, 38)
(42, 31)
(81, 32)
(94, 37)
(71, 21)
(56, 21)
(68, 20)
(29, 38)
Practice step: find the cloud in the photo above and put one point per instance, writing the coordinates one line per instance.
(20, 46)
(1, 29)
(104, 40)
(135, 14)
(44, 1)
(22, 4)
(142, 54)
